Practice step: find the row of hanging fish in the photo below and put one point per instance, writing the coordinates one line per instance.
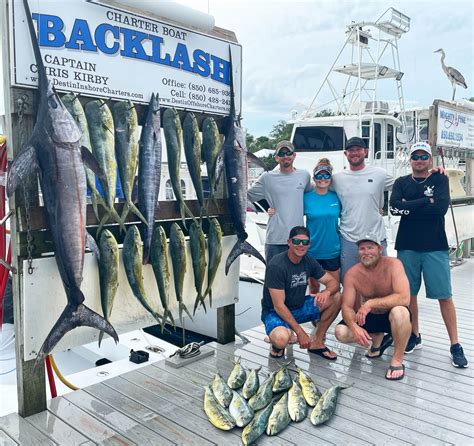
(267, 407)
(163, 255)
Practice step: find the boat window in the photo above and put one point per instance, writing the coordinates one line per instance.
(169, 191)
(318, 139)
(377, 137)
(424, 127)
(390, 145)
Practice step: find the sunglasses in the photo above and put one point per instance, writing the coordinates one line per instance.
(423, 157)
(298, 241)
(283, 153)
(322, 176)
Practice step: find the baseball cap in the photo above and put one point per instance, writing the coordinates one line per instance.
(355, 141)
(284, 145)
(370, 237)
(322, 168)
(421, 146)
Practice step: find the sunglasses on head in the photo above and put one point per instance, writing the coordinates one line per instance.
(322, 176)
(423, 157)
(298, 241)
(283, 153)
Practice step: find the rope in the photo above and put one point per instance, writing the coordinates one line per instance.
(49, 371)
(60, 376)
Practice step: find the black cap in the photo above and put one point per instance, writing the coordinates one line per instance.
(355, 141)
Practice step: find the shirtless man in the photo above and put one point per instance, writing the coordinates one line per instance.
(375, 301)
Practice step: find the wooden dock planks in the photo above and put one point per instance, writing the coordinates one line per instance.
(162, 405)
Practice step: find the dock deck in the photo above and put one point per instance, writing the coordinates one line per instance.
(162, 405)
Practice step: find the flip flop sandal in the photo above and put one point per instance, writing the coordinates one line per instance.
(320, 352)
(276, 352)
(386, 343)
(394, 368)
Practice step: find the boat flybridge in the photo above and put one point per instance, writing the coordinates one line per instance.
(347, 103)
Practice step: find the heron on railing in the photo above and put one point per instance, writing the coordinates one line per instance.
(453, 75)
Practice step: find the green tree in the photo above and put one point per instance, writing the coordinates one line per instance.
(281, 131)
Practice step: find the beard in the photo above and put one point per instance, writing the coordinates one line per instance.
(369, 260)
(356, 162)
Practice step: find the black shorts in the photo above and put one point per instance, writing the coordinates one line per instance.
(377, 323)
(330, 264)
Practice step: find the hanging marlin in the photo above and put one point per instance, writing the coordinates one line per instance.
(55, 153)
(236, 159)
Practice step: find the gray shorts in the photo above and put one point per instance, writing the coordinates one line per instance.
(350, 255)
(273, 250)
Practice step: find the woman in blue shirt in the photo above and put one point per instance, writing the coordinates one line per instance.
(322, 208)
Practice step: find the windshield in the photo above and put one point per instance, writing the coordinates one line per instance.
(318, 139)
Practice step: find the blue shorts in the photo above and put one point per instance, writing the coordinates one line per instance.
(307, 313)
(433, 266)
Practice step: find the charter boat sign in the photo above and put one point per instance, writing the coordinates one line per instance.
(103, 51)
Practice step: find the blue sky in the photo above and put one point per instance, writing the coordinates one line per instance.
(289, 46)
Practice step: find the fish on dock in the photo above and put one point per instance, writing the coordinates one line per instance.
(197, 242)
(108, 273)
(264, 394)
(222, 392)
(214, 247)
(297, 407)
(161, 269)
(280, 417)
(236, 173)
(126, 152)
(257, 426)
(240, 411)
(216, 414)
(132, 255)
(237, 376)
(192, 152)
(174, 142)
(177, 250)
(310, 391)
(326, 406)
(55, 153)
(282, 380)
(149, 171)
(252, 383)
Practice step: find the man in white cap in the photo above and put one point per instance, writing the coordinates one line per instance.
(283, 189)
(361, 192)
(375, 301)
(422, 199)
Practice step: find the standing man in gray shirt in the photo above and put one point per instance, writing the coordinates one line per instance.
(283, 189)
(361, 192)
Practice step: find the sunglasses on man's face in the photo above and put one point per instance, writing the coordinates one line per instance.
(298, 241)
(423, 157)
(322, 176)
(283, 153)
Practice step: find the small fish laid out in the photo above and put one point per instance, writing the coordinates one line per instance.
(149, 171)
(252, 383)
(310, 391)
(177, 250)
(237, 376)
(257, 426)
(192, 151)
(297, 407)
(54, 152)
(217, 415)
(132, 260)
(214, 247)
(264, 394)
(211, 145)
(240, 411)
(282, 380)
(126, 152)
(326, 406)
(101, 131)
(280, 417)
(197, 242)
(174, 142)
(72, 103)
(161, 269)
(222, 392)
(236, 165)
(108, 273)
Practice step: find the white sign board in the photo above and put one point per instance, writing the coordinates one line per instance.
(455, 128)
(102, 51)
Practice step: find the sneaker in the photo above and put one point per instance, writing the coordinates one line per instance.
(414, 343)
(457, 356)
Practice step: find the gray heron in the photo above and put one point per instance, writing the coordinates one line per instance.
(453, 75)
